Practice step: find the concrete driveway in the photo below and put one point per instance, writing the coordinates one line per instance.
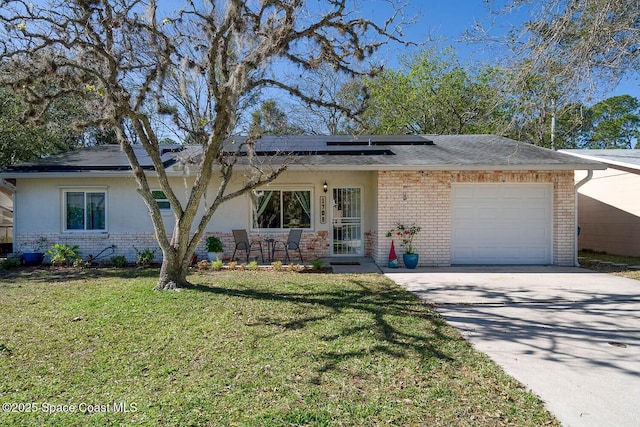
(569, 335)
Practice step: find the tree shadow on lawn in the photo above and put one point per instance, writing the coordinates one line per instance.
(50, 274)
(386, 309)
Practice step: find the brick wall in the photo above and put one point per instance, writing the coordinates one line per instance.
(424, 198)
(564, 226)
(93, 244)
(313, 244)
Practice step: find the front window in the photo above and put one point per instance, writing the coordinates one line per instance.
(283, 209)
(85, 210)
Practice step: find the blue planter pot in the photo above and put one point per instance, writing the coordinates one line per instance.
(32, 258)
(410, 260)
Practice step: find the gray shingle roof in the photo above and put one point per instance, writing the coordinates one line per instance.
(428, 152)
(104, 157)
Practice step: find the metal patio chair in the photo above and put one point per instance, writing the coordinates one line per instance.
(292, 243)
(243, 244)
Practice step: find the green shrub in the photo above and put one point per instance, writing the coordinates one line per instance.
(253, 265)
(10, 263)
(277, 265)
(317, 264)
(213, 244)
(217, 264)
(118, 261)
(62, 254)
(144, 257)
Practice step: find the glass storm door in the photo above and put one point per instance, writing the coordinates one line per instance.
(347, 222)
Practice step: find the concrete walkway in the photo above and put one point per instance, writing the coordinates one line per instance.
(571, 336)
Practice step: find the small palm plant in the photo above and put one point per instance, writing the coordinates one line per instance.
(63, 254)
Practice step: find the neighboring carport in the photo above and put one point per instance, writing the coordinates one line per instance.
(570, 335)
(608, 212)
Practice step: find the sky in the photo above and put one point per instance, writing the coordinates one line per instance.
(445, 21)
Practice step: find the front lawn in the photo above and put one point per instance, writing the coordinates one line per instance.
(588, 258)
(244, 348)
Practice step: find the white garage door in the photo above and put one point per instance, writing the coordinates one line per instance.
(501, 224)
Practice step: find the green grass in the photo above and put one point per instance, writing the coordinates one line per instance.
(243, 349)
(589, 255)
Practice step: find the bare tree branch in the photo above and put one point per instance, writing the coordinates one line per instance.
(134, 63)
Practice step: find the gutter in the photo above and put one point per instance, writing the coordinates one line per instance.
(575, 216)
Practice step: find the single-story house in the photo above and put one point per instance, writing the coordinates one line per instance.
(479, 199)
(609, 203)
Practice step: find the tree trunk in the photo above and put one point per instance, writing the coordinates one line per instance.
(173, 273)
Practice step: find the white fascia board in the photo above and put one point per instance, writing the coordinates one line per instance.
(303, 167)
(83, 174)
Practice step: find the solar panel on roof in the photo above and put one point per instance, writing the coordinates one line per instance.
(382, 140)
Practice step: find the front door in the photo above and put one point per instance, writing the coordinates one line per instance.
(347, 222)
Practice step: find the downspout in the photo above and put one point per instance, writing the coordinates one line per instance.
(575, 215)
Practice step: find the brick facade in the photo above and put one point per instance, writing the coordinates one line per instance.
(424, 198)
(313, 244)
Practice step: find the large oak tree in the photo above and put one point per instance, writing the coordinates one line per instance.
(133, 60)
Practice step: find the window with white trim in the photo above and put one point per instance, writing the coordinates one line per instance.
(278, 209)
(85, 210)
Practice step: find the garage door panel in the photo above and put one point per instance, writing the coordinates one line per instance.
(538, 253)
(501, 224)
(465, 193)
(463, 213)
(512, 193)
(485, 193)
(535, 213)
(538, 193)
(487, 212)
(534, 240)
(512, 213)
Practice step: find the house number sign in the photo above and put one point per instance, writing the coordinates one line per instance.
(323, 209)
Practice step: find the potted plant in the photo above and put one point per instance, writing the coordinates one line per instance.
(214, 248)
(406, 234)
(35, 254)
